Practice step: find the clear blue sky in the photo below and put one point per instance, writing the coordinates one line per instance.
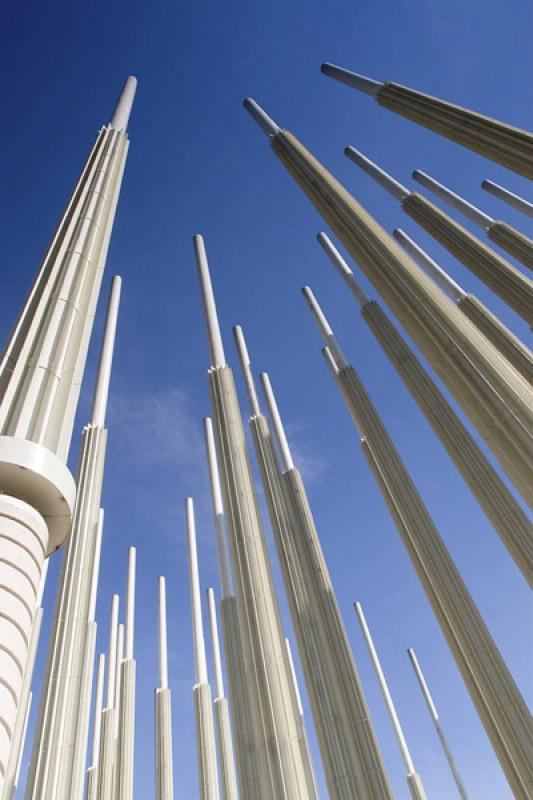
(198, 164)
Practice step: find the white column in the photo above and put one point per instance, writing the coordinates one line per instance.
(164, 774)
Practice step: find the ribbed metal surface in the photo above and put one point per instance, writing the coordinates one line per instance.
(164, 776)
(205, 743)
(518, 245)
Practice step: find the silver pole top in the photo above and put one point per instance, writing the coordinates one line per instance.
(216, 348)
(101, 392)
(342, 268)
(353, 79)
(456, 201)
(441, 278)
(261, 117)
(391, 185)
(288, 463)
(121, 114)
(508, 197)
(163, 643)
(246, 370)
(324, 328)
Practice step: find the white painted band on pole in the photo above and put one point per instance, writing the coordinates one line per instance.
(163, 645)
(440, 277)
(97, 722)
(353, 79)
(121, 114)
(216, 348)
(324, 327)
(196, 605)
(342, 268)
(385, 690)
(226, 581)
(277, 423)
(394, 187)
(456, 201)
(246, 370)
(101, 392)
(112, 653)
(215, 644)
(130, 602)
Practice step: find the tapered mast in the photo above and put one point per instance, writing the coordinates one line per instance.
(512, 199)
(436, 722)
(224, 739)
(505, 280)
(60, 744)
(350, 752)
(282, 765)
(493, 691)
(493, 139)
(502, 234)
(41, 370)
(164, 769)
(509, 345)
(510, 522)
(469, 366)
(414, 781)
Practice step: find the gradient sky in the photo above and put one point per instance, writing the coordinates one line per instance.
(198, 163)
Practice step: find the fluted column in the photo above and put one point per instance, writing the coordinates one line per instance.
(502, 143)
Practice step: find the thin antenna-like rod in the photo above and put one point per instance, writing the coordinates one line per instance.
(121, 114)
(294, 680)
(436, 721)
(330, 361)
(353, 79)
(279, 430)
(508, 197)
(456, 201)
(196, 605)
(119, 660)
(260, 116)
(101, 392)
(130, 602)
(97, 723)
(441, 278)
(385, 690)
(112, 653)
(96, 565)
(216, 348)
(163, 646)
(394, 187)
(226, 581)
(324, 327)
(342, 268)
(246, 370)
(215, 644)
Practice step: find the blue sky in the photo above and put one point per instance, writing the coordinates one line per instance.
(197, 163)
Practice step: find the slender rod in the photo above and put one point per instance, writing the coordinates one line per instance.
(216, 348)
(196, 605)
(294, 680)
(246, 370)
(130, 602)
(353, 79)
(163, 645)
(226, 580)
(508, 197)
(101, 392)
(394, 187)
(385, 690)
(112, 653)
(97, 723)
(277, 423)
(324, 327)
(440, 277)
(342, 268)
(261, 117)
(121, 114)
(456, 201)
(215, 644)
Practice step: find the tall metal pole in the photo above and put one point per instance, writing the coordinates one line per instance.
(509, 345)
(510, 522)
(57, 769)
(502, 234)
(205, 731)
(225, 742)
(41, 371)
(107, 757)
(502, 143)
(92, 772)
(126, 705)
(246, 730)
(350, 752)
(283, 768)
(494, 693)
(489, 390)
(414, 781)
(512, 199)
(436, 722)
(505, 280)
(164, 770)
